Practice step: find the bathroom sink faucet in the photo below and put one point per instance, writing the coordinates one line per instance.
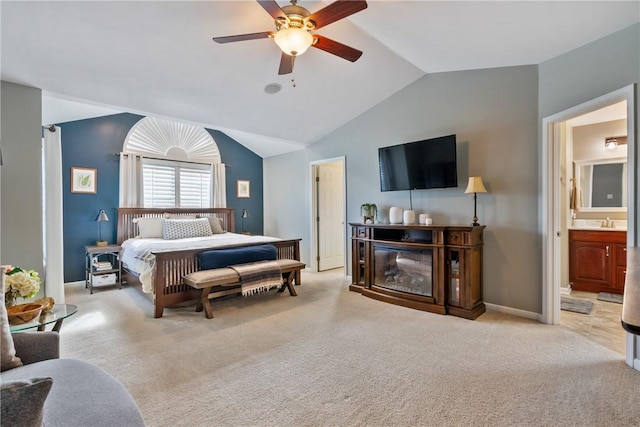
(608, 223)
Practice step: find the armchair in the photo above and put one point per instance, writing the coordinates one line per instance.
(71, 392)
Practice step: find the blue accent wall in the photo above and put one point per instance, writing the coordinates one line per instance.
(94, 143)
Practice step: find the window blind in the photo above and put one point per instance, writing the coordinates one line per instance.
(167, 184)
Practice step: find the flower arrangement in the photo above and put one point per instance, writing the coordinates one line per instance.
(19, 282)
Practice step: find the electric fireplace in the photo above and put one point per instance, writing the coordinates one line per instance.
(403, 269)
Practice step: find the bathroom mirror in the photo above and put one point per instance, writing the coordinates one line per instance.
(601, 185)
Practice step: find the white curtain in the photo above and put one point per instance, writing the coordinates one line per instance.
(130, 178)
(219, 185)
(53, 251)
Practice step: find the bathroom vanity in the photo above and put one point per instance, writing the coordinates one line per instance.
(598, 259)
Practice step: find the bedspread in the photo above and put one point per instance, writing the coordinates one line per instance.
(138, 254)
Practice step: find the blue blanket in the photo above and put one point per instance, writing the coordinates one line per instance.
(219, 258)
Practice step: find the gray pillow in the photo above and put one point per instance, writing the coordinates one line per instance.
(216, 225)
(7, 349)
(185, 228)
(22, 401)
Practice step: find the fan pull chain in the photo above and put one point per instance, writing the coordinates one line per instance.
(293, 71)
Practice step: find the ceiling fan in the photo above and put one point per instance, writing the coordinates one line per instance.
(294, 26)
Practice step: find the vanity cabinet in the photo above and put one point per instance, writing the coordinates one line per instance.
(597, 260)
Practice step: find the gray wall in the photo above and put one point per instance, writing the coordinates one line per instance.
(21, 229)
(494, 115)
(497, 116)
(588, 72)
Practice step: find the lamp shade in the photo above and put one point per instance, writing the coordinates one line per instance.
(245, 213)
(102, 216)
(475, 185)
(293, 41)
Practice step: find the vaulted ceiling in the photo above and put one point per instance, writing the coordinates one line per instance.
(157, 57)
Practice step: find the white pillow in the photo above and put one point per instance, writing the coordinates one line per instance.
(149, 228)
(184, 228)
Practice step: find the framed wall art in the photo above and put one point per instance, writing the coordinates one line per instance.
(244, 189)
(84, 180)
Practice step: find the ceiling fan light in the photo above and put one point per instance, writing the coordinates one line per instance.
(293, 41)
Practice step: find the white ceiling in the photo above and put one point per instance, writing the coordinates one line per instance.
(157, 57)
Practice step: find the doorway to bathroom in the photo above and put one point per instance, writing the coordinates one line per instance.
(574, 144)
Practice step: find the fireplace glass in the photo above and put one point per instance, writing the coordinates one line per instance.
(404, 270)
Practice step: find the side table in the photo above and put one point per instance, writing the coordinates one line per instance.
(102, 266)
(56, 315)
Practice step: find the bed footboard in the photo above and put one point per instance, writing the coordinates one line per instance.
(171, 267)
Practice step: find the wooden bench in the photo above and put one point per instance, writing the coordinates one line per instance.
(228, 282)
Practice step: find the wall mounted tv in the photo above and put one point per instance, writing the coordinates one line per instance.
(430, 163)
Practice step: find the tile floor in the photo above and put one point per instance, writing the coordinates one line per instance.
(602, 325)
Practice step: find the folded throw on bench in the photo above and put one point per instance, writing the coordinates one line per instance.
(258, 276)
(219, 258)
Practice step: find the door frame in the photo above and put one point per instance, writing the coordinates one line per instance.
(550, 206)
(313, 244)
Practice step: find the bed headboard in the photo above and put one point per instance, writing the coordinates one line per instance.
(128, 229)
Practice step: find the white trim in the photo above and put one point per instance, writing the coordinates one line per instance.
(513, 311)
(549, 211)
(313, 232)
(549, 224)
(156, 137)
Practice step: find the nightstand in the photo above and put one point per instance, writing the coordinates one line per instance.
(102, 266)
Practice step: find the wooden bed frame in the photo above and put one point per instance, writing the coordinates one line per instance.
(168, 286)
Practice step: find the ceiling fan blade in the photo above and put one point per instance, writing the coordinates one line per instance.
(243, 37)
(338, 49)
(336, 11)
(286, 64)
(272, 9)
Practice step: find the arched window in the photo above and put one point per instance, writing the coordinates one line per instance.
(170, 164)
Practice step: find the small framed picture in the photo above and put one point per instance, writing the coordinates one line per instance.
(84, 180)
(243, 189)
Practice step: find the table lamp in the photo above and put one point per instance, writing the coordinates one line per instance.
(245, 214)
(475, 186)
(102, 217)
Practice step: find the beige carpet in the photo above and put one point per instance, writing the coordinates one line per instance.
(331, 357)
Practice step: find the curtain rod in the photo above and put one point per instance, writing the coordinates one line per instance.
(169, 160)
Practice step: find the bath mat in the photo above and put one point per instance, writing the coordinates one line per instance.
(576, 305)
(606, 296)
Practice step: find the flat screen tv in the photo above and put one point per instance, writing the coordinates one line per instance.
(419, 165)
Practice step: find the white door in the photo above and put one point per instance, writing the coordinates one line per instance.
(330, 210)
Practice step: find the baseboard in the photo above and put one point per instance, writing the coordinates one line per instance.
(565, 291)
(79, 282)
(514, 311)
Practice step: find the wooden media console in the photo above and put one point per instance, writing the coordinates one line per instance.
(431, 268)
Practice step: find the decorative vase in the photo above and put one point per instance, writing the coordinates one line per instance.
(409, 217)
(395, 215)
(425, 219)
(10, 299)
